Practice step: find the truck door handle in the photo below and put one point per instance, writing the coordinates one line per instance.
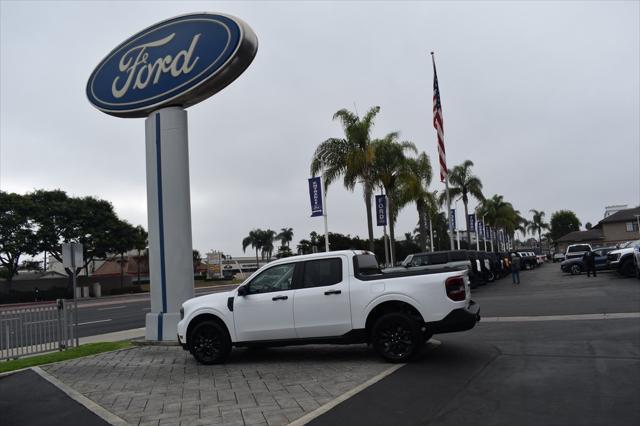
(327, 293)
(280, 298)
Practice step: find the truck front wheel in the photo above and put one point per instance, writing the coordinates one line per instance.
(209, 343)
(397, 337)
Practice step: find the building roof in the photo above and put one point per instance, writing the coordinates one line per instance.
(625, 215)
(580, 236)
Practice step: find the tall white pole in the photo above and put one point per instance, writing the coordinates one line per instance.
(169, 215)
(324, 214)
(476, 231)
(484, 233)
(431, 231)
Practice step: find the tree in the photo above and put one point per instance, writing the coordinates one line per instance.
(123, 236)
(197, 259)
(500, 214)
(267, 237)
(588, 226)
(414, 186)
(389, 167)
(464, 183)
(350, 157)
(254, 240)
(537, 224)
(17, 232)
(563, 222)
(285, 236)
(87, 220)
(140, 243)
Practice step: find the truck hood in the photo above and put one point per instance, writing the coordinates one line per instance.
(622, 251)
(213, 299)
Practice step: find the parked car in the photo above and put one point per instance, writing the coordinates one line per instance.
(558, 257)
(621, 260)
(335, 297)
(576, 265)
(541, 258)
(576, 250)
(527, 259)
(442, 259)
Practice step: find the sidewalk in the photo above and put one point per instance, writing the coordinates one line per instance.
(160, 385)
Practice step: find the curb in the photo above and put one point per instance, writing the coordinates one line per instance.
(96, 409)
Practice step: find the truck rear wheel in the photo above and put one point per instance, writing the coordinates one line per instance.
(627, 269)
(397, 337)
(209, 343)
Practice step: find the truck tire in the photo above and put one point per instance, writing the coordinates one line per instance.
(397, 337)
(627, 269)
(209, 343)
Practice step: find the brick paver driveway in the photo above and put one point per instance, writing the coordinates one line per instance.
(154, 385)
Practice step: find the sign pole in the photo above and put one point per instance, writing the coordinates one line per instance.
(431, 231)
(75, 293)
(484, 233)
(475, 225)
(325, 214)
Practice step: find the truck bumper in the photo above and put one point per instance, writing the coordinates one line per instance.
(458, 320)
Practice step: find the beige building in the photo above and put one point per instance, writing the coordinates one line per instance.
(620, 227)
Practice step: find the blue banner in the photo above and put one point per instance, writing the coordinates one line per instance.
(452, 225)
(487, 231)
(480, 229)
(381, 210)
(315, 194)
(472, 223)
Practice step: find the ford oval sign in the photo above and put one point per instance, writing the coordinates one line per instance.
(177, 62)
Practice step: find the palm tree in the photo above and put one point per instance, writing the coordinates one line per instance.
(285, 236)
(415, 187)
(499, 214)
(254, 240)
(266, 238)
(464, 183)
(390, 166)
(537, 225)
(350, 157)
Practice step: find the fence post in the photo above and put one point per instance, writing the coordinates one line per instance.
(60, 306)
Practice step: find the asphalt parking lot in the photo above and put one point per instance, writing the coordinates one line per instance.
(555, 350)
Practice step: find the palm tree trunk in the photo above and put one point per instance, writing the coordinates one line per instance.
(466, 219)
(367, 201)
(422, 226)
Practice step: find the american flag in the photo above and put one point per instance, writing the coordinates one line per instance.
(437, 123)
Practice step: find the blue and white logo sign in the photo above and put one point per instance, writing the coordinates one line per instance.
(480, 229)
(381, 210)
(315, 194)
(177, 62)
(452, 224)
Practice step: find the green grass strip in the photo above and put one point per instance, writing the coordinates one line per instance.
(80, 351)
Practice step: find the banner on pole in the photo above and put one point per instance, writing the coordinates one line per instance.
(315, 194)
(472, 223)
(381, 210)
(480, 229)
(452, 225)
(487, 231)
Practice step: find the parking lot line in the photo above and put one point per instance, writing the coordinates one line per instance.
(94, 322)
(578, 317)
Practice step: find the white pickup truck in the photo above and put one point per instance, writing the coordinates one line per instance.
(335, 297)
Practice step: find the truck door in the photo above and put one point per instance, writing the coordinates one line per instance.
(321, 306)
(266, 311)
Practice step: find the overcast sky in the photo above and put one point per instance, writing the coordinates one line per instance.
(544, 97)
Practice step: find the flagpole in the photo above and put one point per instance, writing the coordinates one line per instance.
(441, 152)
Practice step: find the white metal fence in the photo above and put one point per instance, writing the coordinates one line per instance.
(36, 329)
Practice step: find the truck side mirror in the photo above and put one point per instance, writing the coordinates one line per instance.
(242, 291)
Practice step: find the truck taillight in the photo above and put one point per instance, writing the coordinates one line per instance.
(455, 288)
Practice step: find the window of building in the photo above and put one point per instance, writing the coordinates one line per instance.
(632, 226)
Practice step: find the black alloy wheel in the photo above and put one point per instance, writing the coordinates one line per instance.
(575, 269)
(397, 337)
(209, 343)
